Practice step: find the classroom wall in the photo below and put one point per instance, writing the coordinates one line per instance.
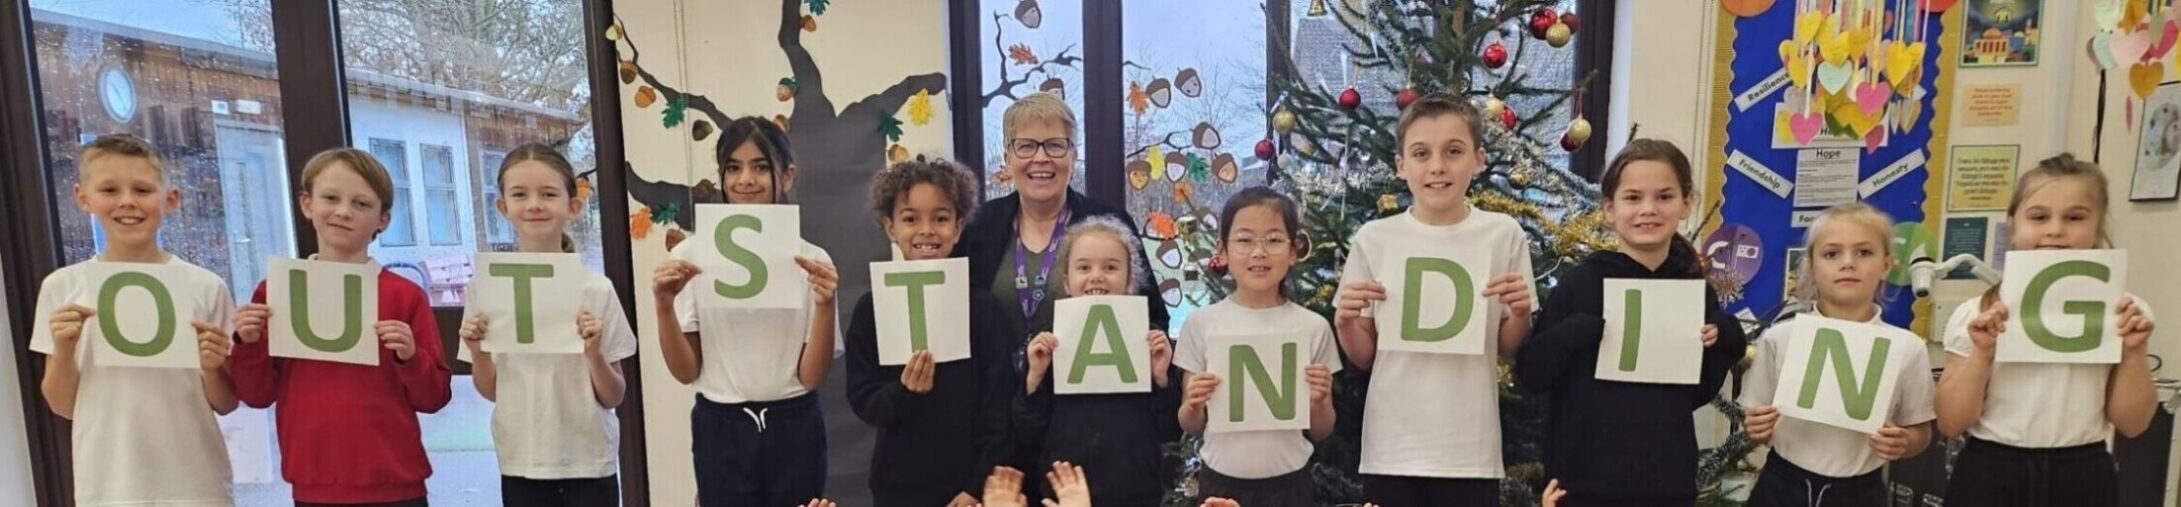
(729, 52)
(14, 443)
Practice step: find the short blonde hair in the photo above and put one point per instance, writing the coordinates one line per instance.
(1120, 232)
(1854, 214)
(373, 173)
(123, 145)
(1037, 107)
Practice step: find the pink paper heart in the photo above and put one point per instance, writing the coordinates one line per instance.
(1805, 126)
(2130, 47)
(1871, 97)
(1873, 139)
(2166, 37)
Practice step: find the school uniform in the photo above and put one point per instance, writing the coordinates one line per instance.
(2041, 438)
(1610, 442)
(1256, 468)
(1815, 464)
(757, 434)
(938, 444)
(140, 436)
(1431, 422)
(556, 445)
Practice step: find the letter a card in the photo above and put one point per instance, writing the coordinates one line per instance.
(1102, 347)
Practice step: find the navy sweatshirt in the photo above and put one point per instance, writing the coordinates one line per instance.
(1618, 443)
(1116, 438)
(934, 445)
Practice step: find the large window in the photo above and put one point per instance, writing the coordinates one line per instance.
(1036, 47)
(439, 194)
(401, 228)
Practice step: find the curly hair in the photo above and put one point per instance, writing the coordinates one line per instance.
(892, 185)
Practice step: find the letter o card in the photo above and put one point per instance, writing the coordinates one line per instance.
(1653, 331)
(144, 312)
(747, 253)
(2060, 306)
(530, 301)
(1436, 303)
(1102, 347)
(1842, 373)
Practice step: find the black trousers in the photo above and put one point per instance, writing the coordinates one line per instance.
(593, 492)
(1398, 491)
(759, 453)
(1293, 489)
(404, 503)
(1783, 484)
(1989, 474)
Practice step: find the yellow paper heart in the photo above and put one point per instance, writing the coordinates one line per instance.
(1798, 70)
(1859, 42)
(1834, 47)
(1902, 60)
(1847, 113)
(1806, 26)
(2144, 77)
(1788, 50)
(1780, 129)
(2134, 12)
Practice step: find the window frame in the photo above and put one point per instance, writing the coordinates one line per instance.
(431, 189)
(402, 211)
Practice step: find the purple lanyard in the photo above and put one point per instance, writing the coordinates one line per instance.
(1033, 295)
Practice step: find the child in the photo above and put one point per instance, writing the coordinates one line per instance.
(1071, 483)
(1258, 468)
(1431, 429)
(941, 427)
(348, 433)
(140, 435)
(2036, 431)
(556, 432)
(1814, 464)
(757, 431)
(1118, 434)
(1621, 442)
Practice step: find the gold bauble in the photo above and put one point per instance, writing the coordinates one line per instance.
(1388, 203)
(1559, 35)
(1283, 121)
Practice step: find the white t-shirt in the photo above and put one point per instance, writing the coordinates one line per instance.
(1255, 454)
(751, 355)
(142, 436)
(1436, 415)
(1825, 449)
(546, 422)
(2036, 405)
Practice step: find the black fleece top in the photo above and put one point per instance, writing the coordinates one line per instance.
(1618, 443)
(1116, 438)
(934, 445)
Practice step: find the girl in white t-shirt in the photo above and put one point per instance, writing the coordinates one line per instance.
(2036, 431)
(1257, 468)
(555, 428)
(140, 436)
(1814, 464)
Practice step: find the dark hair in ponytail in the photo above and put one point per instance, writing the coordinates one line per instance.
(1654, 150)
(770, 141)
(544, 154)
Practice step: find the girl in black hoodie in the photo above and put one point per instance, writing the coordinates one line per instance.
(1620, 443)
(941, 427)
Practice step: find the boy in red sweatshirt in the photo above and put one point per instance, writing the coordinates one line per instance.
(348, 433)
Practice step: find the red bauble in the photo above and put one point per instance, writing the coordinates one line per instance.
(1264, 149)
(1569, 143)
(1495, 55)
(1541, 21)
(1218, 266)
(1569, 19)
(1350, 99)
(1507, 117)
(1406, 97)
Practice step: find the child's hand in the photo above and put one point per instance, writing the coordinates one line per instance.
(395, 336)
(820, 502)
(823, 279)
(2135, 327)
(1711, 335)
(250, 321)
(1220, 502)
(589, 327)
(917, 375)
(473, 333)
(1553, 493)
(1040, 352)
(1321, 383)
(1198, 393)
(67, 324)
(962, 500)
(1759, 420)
(1354, 298)
(1004, 488)
(1984, 331)
(212, 346)
(1069, 484)
(1162, 356)
(1890, 441)
(671, 277)
(1514, 292)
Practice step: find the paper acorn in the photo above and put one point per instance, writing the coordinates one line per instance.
(1162, 92)
(785, 91)
(1225, 168)
(702, 129)
(1139, 174)
(1188, 83)
(1029, 14)
(1054, 86)
(1205, 136)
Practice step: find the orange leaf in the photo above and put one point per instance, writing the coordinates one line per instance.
(1182, 191)
(1162, 224)
(645, 96)
(1137, 100)
(583, 189)
(1021, 54)
(640, 223)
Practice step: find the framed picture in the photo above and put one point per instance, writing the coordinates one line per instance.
(2158, 156)
(2000, 32)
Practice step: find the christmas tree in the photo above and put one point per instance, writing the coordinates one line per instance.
(1334, 154)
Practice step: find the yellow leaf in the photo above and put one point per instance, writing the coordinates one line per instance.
(1157, 158)
(920, 108)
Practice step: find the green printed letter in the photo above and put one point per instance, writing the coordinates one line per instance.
(352, 324)
(1102, 322)
(1857, 396)
(1631, 328)
(525, 325)
(1465, 295)
(109, 321)
(1243, 363)
(724, 239)
(2092, 312)
(915, 282)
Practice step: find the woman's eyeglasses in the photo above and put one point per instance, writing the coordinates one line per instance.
(1056, 147)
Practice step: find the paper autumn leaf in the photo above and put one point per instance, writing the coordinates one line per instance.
(640, 223)
(666, 214)
(818, 6)
(1157, 157)
(583, 189)
(672, 116)
(1021, 54)
(920, 107)
(889, 126)
(1199, 169)
(1137, 100)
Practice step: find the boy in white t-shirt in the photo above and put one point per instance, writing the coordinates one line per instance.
(1431, 432)
(141, 436)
